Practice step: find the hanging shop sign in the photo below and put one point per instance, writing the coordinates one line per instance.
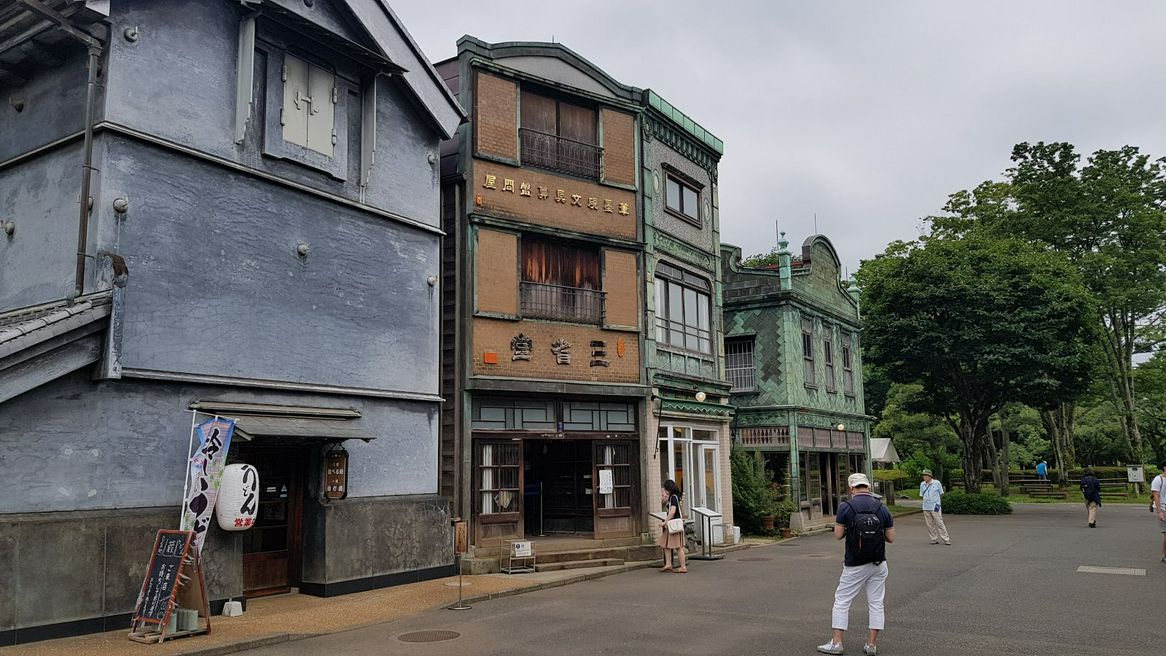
(205, 476)
(336, 473)
(238, 501)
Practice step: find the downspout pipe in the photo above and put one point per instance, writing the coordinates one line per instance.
(86, 170)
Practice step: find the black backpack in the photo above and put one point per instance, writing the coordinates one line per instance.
(866, 538)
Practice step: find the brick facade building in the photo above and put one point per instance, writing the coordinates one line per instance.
(543, 373)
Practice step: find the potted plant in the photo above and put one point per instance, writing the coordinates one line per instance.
(785, 510)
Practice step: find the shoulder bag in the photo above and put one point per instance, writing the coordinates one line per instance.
(676, 524)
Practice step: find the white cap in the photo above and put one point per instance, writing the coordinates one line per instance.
(856, 480)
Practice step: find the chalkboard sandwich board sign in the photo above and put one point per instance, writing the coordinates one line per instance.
(174, 589)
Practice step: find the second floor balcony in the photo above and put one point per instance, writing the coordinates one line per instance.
(560, 154)
(541, 301)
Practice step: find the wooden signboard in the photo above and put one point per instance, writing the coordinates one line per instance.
(174, 589)
(336, 474)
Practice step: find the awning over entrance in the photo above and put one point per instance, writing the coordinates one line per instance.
(299, 429)
(883, 450)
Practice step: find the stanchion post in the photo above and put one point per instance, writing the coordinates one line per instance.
(461, 546)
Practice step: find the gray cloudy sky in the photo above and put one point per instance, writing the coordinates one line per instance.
(866, 113)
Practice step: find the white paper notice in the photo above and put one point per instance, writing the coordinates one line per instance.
(605, 481)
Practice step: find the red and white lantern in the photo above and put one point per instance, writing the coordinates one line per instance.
(238, 498)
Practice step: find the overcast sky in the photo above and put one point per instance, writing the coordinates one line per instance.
(866, 113)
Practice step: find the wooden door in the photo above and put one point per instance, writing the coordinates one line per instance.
(272, 549)
(614, 510)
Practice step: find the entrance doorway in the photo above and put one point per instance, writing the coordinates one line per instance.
(558, 487)
(273, 547)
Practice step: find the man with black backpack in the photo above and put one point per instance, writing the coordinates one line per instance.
(867, 526)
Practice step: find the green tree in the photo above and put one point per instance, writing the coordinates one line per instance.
(1150, 379)
(978, 322)
(920, 438)
(1109, 218)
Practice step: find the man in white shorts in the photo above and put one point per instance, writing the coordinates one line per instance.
(1158, 504)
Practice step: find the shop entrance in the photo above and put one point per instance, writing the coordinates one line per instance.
(558, 487)
(273, 548)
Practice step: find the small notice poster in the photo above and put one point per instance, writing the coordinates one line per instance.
(523, 549)
(1135, 474)
(605, 481)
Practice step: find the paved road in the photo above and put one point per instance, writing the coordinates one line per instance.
(1008, 585)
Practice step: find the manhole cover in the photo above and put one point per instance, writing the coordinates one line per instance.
(754, 560)
(816, 556)
(428, 636)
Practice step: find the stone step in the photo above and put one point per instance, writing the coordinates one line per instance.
(557, 545)
(577, 564)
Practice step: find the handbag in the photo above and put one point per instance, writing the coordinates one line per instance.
(675, 525)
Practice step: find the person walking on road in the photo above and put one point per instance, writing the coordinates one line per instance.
(1042, 470)
(1158, 504)
(930, 490)
(669, 541)
(867, 526)
(1091, 490)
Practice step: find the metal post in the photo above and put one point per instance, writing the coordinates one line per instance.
(540, 509)
(461, 605)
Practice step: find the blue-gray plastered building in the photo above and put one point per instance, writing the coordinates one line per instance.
(228, 207)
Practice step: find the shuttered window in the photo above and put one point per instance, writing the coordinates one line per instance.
(309, 106)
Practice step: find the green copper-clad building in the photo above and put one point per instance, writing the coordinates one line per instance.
(792, 357)
(689, 412)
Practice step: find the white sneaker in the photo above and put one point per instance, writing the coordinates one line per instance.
(830, 648)
(870, 650)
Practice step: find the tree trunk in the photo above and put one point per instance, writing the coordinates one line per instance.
(993, 455)
(1059, 423)
(1118, 345)
(1007, 462)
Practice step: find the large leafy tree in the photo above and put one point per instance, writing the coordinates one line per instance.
(1108, 217)
(978, 321)
(1150, 378)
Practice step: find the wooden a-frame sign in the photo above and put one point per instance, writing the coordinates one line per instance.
(174, 579)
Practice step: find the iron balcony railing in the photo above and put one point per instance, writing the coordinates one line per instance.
(560, 154)
(541, 301)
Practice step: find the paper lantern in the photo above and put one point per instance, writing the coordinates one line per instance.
(238, 498)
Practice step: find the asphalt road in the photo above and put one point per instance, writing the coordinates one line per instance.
(1007, 585)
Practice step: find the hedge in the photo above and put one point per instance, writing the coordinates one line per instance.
(889, 475)
(961, 503)
(1101, 471)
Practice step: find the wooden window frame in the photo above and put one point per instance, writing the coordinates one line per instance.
(809, 364)
(828, 363)
(496, 517)
(690, 282)
(671, 176)
(847, 371)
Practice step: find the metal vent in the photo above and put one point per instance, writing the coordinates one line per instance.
(428, 636)
(754, 560)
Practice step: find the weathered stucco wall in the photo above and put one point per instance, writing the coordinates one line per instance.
(75, 444)
(216, 286)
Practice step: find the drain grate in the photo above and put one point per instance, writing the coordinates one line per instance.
(428, 636)
(754, 560)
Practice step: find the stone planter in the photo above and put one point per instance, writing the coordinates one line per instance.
(767, 522)
(787, 532)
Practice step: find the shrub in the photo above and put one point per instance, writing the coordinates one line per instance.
(889, 475)
(961, 503)
(754, 493)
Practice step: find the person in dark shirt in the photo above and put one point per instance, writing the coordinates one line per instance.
(865, 564)
(1091, 490)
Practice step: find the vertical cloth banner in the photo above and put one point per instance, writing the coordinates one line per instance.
(206, 473)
